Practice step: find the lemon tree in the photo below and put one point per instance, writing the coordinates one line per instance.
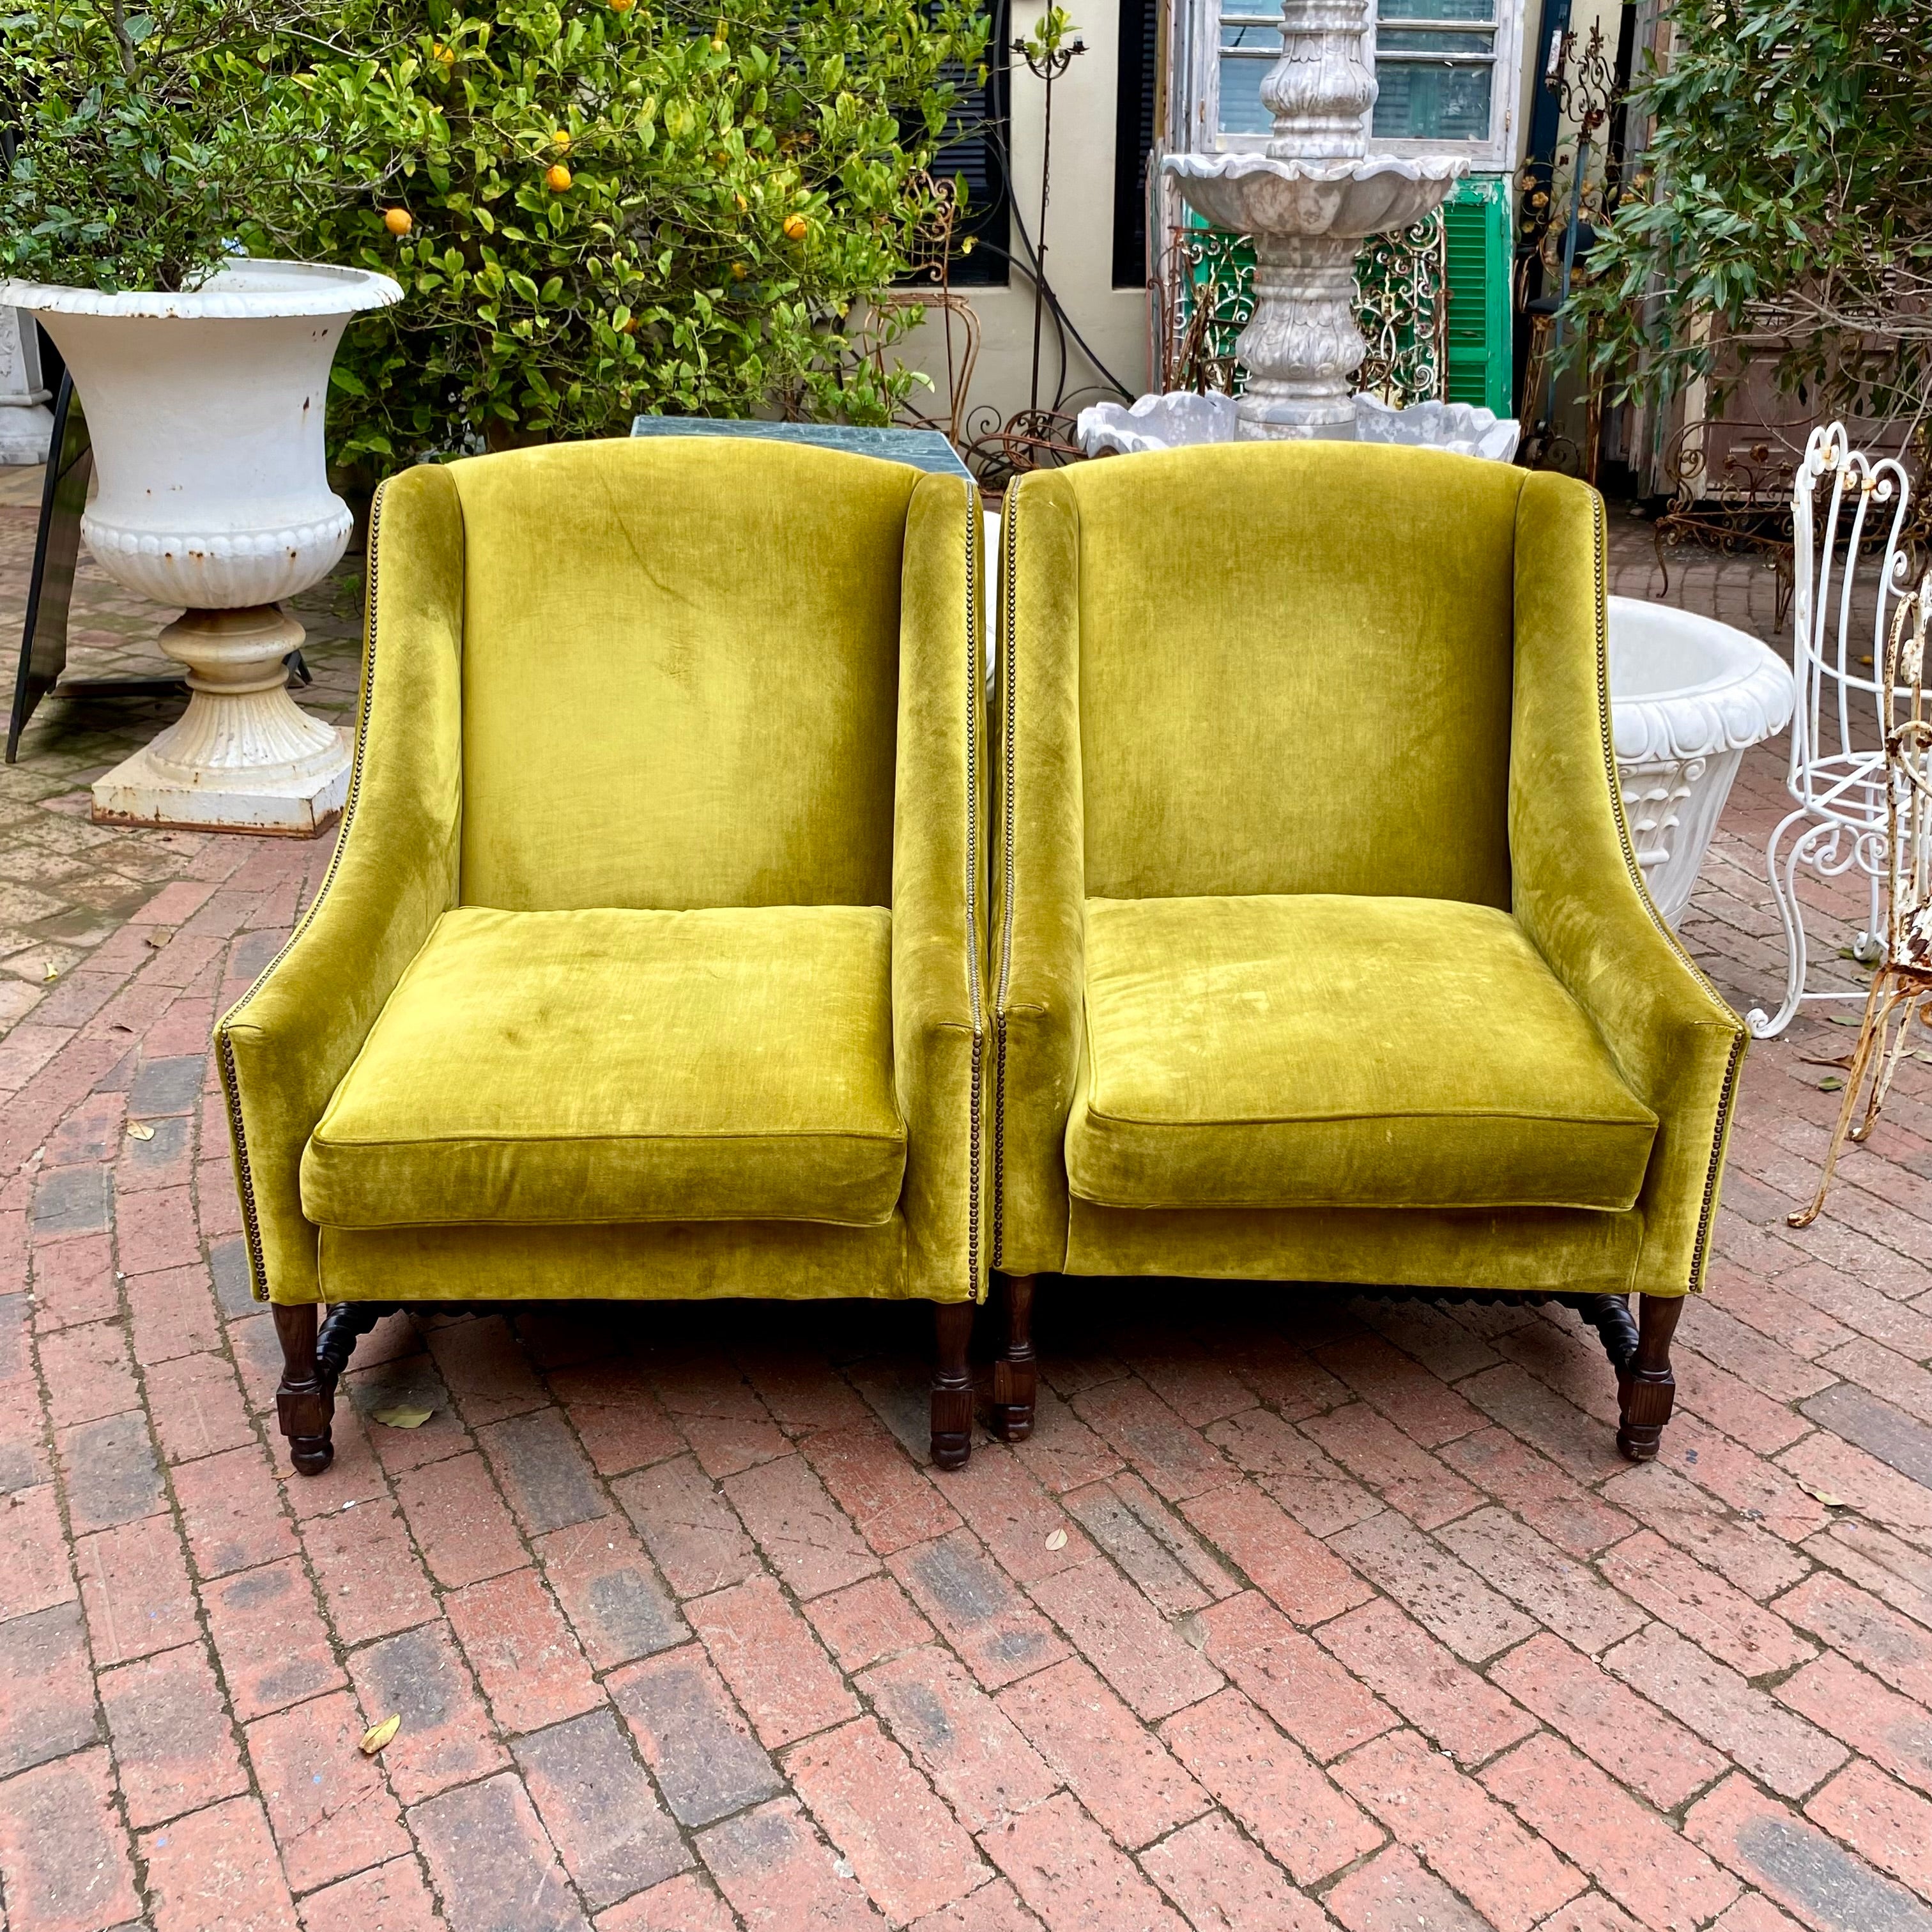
(597, 207)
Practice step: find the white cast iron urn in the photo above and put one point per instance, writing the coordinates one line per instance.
(205, 411)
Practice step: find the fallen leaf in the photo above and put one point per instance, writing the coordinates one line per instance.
(51, 973)
(139, 1130)
(160, 938)
(1056, 1539)
(1844, 1019)
(1824, 1496)
(1825, 1060)
(377, 1735)
(403, 1418)
(1830, 1084)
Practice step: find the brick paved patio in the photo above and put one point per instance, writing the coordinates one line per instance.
(1297, 1612)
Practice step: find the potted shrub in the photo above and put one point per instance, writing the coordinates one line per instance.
(146, 138)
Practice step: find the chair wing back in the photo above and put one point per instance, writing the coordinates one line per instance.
(1295, 670)
(680, 675)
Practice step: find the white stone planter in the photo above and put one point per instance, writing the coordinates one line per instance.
(1180, 418)
(1688, 697)
(205, 411)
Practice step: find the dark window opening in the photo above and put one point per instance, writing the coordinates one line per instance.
(974, 155)
(1135, 88)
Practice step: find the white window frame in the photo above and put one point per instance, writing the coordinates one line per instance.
(1197, 99)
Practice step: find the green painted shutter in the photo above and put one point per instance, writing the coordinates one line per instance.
(1476, 225)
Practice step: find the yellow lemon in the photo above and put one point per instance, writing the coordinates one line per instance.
(621, 6)
(398, 220)
(556, 178)
(795, 227)
(738, 271)
(560, 140)
(442, 55)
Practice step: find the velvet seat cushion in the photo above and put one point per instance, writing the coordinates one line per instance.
(620, 1065)
(1333, 1050)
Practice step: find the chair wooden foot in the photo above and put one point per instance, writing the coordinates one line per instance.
(1015, 1373)
(952, 1385)
(1646, 1389)
(304, 1403)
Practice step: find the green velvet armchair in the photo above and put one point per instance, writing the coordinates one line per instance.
(1320, 951)
(649, 963)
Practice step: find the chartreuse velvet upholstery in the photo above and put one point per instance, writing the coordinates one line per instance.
(650, 962)
(1321, 950)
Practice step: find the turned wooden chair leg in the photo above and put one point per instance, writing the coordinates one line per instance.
(952, 1385)
(1015, 1373)
(1646, 1389)
(304, 1403)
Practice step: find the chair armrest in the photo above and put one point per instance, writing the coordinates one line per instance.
(1040, 934)
(1579, 891)
(284, 1046)
(939, 891)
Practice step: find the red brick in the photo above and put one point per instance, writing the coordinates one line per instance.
(615, 1416)
(866, 1621)
(767, 1653)
(1565, 1595)
(1809, 1873)
(231, 1507)
(329, 1809)
(173, 1745)
(1268, 1782)
(1300, 1686)
(1866, 1630)
(1219, 1879)
(1728, 1403)
(88, 1373)
(1394, 1893)
(1010, 1513)
(1872, 1718)
(1404, 1475)
(273, 1645)
(370, 1580)
(1176, 1461)
(488, 1375)
(196, 1403)
(1458, 1831)
(778, 1876)
(1171, 1566)
(33, 1571)
(1789, 1754)
(156, 1230)
(683, 1904)
(803, 1534)
(1318, 1492)
(1632, 1740)
(1698, 1603)
(970, 1748)
(1747, 1481)
(1754, 1913)
(445, 1737)
(870, 1476)
(1303, 1576)
(699, 1748)
(609, 1593)
(530, 1667)
(799, 1387)
(1285, 1377)
(46, 1693)
(1120, 1771)
(1119, 1632)
(993, 1908)
(489, 1858)
(1633, 1854)
(1066, 1867)
(688, 1527)
(1592, 1912)
(64, 1862)
(73, 1281)
(1402, 1388)
(1512, 1473)
(1439, 1590)
(599, 1808)
(1400, 1661)
(545, 1477)
(459, 1521)
(977, 1608)
(905, 1847)
(1682, 1513)
(1063, 1453)
(1883, 1822)
(1197, 1387)
(1862, 1481)
(218, 1869)
(391, 1898)
(720, 1415)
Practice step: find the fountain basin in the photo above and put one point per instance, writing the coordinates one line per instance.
(1689, 696)
(1260, 196)
(1181, 418)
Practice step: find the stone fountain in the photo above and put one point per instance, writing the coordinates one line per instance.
(1309, 204)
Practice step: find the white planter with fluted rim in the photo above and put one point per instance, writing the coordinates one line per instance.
(1689, 696)
(205, 412)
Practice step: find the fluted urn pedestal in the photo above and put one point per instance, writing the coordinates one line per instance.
(205, 412)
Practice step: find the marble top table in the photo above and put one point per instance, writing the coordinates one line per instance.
(923, 449)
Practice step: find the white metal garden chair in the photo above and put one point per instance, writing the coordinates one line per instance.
(1846, 507)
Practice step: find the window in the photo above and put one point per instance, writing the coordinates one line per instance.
(1137, 87)
(1446, 70)
(972, 152)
